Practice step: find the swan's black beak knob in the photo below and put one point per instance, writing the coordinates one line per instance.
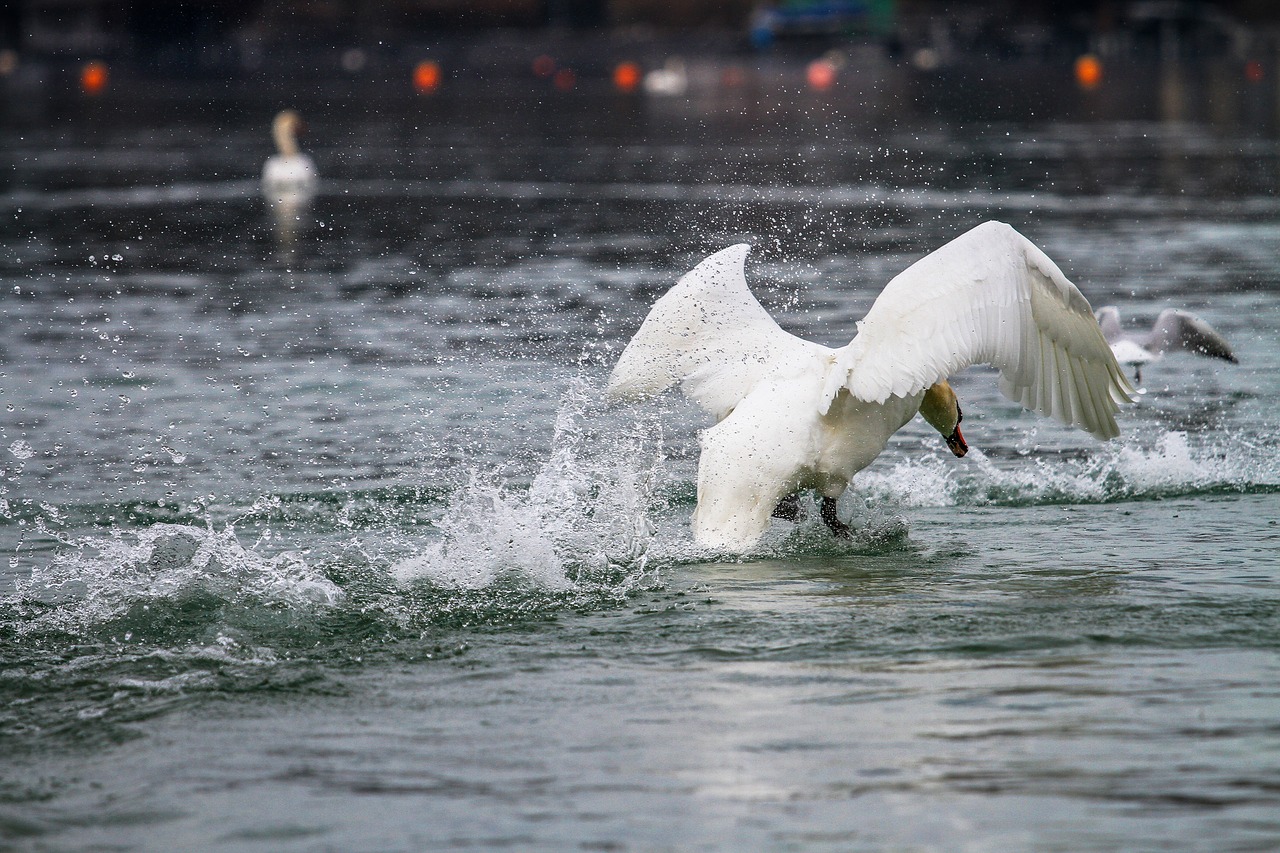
(957, 443)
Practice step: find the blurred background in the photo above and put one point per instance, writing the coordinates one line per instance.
(48, 39)
(314, 533)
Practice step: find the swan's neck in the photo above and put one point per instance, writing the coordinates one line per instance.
(940, 408)
(286, 141)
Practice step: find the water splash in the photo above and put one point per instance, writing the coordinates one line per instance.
(585, 520)
(106, 578)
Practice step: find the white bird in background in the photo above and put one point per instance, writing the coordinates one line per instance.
(288, 176)
(671, 80)
(797, 415)
(1172, 330)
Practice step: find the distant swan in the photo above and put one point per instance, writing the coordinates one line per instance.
(1172, 330)
(670, 80)
(288, 175)
(798, 415)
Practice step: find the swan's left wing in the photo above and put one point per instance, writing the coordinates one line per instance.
(987, 297)
(1176, 329)
(709, 334)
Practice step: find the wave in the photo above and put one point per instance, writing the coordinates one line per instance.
(838, 197)
(1175, 466)
(118, 579)
(132, 196)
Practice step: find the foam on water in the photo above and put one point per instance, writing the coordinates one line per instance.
(1174, 465)
(585, 519)
(592, 512)
(104, 578)
(116, 628)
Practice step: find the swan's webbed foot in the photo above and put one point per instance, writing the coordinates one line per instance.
(829, 517)
(788, 509)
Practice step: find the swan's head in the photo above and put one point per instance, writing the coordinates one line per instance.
(285, 129)
(942, 410)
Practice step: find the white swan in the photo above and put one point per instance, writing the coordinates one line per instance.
(798, 415)
(670, 81)
(1172, 330)
(288, 177)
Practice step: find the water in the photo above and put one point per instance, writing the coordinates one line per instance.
(318, 537)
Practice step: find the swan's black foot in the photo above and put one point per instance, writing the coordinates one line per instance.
(788, 509)
(838, 527)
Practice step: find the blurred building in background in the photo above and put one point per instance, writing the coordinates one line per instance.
(163, 34)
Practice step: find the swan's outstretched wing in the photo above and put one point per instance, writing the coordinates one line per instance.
(708, 333)
(987, 297)
(1176, 329)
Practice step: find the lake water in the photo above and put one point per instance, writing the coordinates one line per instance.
(317, 535)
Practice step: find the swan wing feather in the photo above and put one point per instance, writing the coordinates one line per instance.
(990, 296)
(709, 334)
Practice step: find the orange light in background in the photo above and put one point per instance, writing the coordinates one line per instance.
(626, 77)
(1088, 71)
(565, 79)
(1253, 71)
(93, 77)
(821, 74)
(426, 76)
(544, 66)
(732, 77)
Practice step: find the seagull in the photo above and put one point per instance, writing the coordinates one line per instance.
(794, 415)
(288, 176)
(1172, 330)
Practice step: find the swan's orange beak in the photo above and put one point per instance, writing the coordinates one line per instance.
(957, 443)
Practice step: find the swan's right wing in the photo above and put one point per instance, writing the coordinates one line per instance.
(1176, 329)
(709, 334)
(990, 296)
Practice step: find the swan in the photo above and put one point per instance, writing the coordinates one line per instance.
(288, 176)
(792, 414)
(1172, 330)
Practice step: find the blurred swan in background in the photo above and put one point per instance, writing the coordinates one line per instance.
(1172, 330)
(289, 172)
(289, 177)
(796, 415)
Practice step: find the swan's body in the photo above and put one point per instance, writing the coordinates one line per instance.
(1172, 330)
(793, 414)
(288, 176)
